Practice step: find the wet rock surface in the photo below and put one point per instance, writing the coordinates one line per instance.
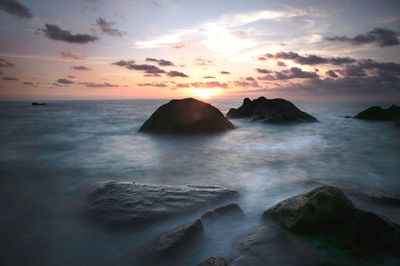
(186, 116)
(377, 113)
(271, 111)
(213, 261)
(230, 211)
(121, 204)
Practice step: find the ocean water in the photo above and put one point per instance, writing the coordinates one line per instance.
(52, 157)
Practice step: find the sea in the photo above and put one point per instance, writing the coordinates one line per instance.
(52, 157)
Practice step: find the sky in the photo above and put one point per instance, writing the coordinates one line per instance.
(162, 49)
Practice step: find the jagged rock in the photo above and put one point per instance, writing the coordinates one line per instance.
(379, 114)
(186, 116)
(213, 261)
(178, 239)
(228, 211)
(121, 204)
(271, 111)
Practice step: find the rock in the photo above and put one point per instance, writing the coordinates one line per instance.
(38, 104)
(228, 211)
(271, 111)
(120, 204)
(213, 261)
(186, 116)
(347, 116)
(327, 213)
(317, 210)
(270, 245)
(378, 114)
(178, 238)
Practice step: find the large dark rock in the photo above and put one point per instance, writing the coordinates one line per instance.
(228, 211)
(213, 261)
(178, 239)
(186, 116)
(120, 204)
(271, 111)
(379, 114)
(327, 213)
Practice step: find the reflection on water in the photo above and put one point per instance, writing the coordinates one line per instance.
(52, 156)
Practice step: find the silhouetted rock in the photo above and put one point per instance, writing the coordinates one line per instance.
(213, 261)
(348, 116)
(271, 111)
(379, 114)
(178, 239)
(38, 104)
(120, 204)
(186, 116)
(228, 211)
(327, 213)
(317, 210)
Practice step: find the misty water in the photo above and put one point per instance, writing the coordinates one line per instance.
(53, 156)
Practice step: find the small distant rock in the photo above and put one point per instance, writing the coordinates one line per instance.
(271, 111)
(229, 211)
(213, 261)
(186, 116)
(38, 104)
(178, 239)
(376, 113)
(348, 116)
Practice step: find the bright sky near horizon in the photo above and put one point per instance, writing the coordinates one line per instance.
(124, 49)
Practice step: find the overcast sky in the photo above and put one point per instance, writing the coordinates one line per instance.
(104, 49)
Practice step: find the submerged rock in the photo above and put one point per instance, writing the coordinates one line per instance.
(38, 104)
(271, 111)
(121, 204)
(178, 239)
(228, 211)
(186, 116)
(379, 114)
(327, 213)
(213, 261)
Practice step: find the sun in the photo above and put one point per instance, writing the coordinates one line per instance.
(204, 93)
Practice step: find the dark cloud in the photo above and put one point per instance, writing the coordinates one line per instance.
(247, 82)
(70, 55)
(15, 8)
(161, 62)
(10, 79)
(263, 71)
(98, 85)
(310, 59)
(292, 73)
(208, 77)
(131, 65)
(370, 68)
(379, 36)
(152, 75)
(65, 81)
(154, 84)
(71, 77)
(225, 72)
(280, 64)
(331, 74)
(1, 73)
(5, 63)
(107, 27)
(200, 61)
(177, 74)
(54, 32)
(81, 68)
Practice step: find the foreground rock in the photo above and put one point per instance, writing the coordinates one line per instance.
(271, 111)
(231, 211)
(180, 238)
(186, 116)
(327, 213)
(121, 204)
(378, 114)
(213, 261)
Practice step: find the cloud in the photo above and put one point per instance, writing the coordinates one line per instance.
(81, 68)
(15, 8)
(263, 71)
(280, 64)
(331, 73)
(161, 62)
(54, 32)
(107, 27)
(98, 85)
(65, 81)
(9, 78)
(370, 68)
(292, 73)
(153, 84)
(70, 55)
(208, 77)
(177, 74)
(5, 63)
(247, 82)
(202, 61)
(179, 46)
(378, 36)
(309, 59)
(131, 65)
(202, 85)
(225, 72)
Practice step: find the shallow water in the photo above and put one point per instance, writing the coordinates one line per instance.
(52, 156)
